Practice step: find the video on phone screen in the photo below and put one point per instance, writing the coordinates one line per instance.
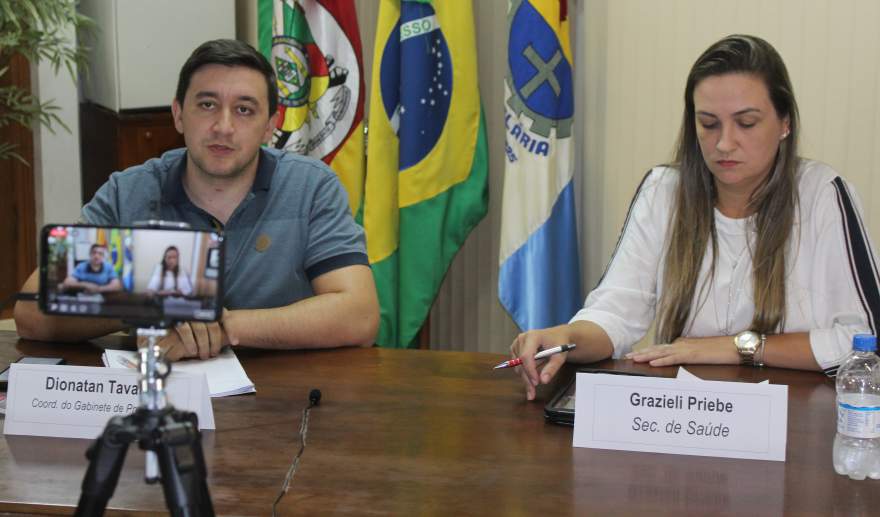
(142, 274)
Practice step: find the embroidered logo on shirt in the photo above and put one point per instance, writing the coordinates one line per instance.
(263, 243)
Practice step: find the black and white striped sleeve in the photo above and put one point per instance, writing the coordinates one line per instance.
(846, 299)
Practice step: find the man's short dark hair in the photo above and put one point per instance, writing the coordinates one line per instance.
(228, 52)
(96, 245)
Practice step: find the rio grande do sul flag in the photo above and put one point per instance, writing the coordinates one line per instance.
(539, 279)
(315, 48)
(426, 162)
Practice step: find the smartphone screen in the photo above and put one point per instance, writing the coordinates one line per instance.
(560, 409)
(152, 275)
(4, 375)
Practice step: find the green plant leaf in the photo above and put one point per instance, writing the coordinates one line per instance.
(7, 152)
(9, 15)
(38, 30)
(28, 6)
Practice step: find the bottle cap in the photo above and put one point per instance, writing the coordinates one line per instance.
(864, 343)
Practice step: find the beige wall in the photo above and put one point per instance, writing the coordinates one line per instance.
(56, 166)
(632, 70)
(632, 57)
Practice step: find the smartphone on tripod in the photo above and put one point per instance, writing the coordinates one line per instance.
(151, 277)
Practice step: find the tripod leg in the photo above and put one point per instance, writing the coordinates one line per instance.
(182, 466)
(106, 456)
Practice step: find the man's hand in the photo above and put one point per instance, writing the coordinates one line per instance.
(69, 283)
(194, 339)
(89, 287)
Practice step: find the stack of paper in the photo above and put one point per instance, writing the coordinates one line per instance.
(688, 376)
(224, 373)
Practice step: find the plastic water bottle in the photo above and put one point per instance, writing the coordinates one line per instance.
(857, 443)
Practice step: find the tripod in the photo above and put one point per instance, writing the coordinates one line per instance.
(170, 438)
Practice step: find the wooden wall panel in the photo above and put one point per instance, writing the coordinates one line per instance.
(17, 231)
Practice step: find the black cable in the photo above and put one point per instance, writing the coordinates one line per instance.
(314, 400)
(32, 297)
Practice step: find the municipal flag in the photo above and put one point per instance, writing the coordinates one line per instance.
(539, 280)
(426, 161)
(315, 48)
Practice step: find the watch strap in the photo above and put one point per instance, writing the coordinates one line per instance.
(758, 358)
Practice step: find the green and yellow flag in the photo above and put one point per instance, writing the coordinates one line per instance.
(427, 163)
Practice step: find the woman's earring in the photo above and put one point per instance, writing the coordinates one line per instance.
(784, 135)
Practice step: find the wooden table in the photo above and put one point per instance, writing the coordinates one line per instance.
(409, 432)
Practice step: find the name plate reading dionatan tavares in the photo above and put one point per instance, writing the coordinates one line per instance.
(701, 418)
(77, 401)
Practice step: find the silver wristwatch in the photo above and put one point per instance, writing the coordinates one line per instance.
(747, 344)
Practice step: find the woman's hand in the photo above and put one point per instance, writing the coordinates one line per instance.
(527, 344)
(692, 350)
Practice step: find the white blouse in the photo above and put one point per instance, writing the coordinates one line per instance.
(184, 286)
(832, 288)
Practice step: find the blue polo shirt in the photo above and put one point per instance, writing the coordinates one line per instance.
(84, 273)
(293, 226)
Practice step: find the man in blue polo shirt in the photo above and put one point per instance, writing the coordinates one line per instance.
(296, 275)
(94, 275)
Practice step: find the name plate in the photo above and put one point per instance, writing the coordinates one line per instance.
(700, 418)
(77, 401)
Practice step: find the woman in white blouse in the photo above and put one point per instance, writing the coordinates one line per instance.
(741, 250)
(168, 278)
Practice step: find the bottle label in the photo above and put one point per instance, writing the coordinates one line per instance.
(858, 421)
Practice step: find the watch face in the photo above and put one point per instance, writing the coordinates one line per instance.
(747, 341)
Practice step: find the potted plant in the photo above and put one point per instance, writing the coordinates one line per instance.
(37, 30)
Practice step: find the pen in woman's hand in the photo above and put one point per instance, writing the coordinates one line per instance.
(540, 355)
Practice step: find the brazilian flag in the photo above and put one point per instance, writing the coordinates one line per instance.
(121, 256)
(118, 243)
(427, 162)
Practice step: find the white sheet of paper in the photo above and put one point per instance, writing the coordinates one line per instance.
(225, 374)
(686, 375)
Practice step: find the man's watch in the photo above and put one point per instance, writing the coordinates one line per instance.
(747, 344)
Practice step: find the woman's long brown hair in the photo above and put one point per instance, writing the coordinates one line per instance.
(693, 219)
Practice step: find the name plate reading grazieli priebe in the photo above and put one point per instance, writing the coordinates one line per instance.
(701, 418)
(77, 401)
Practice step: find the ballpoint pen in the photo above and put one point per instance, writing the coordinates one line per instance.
(128, 363)
(540, 355)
